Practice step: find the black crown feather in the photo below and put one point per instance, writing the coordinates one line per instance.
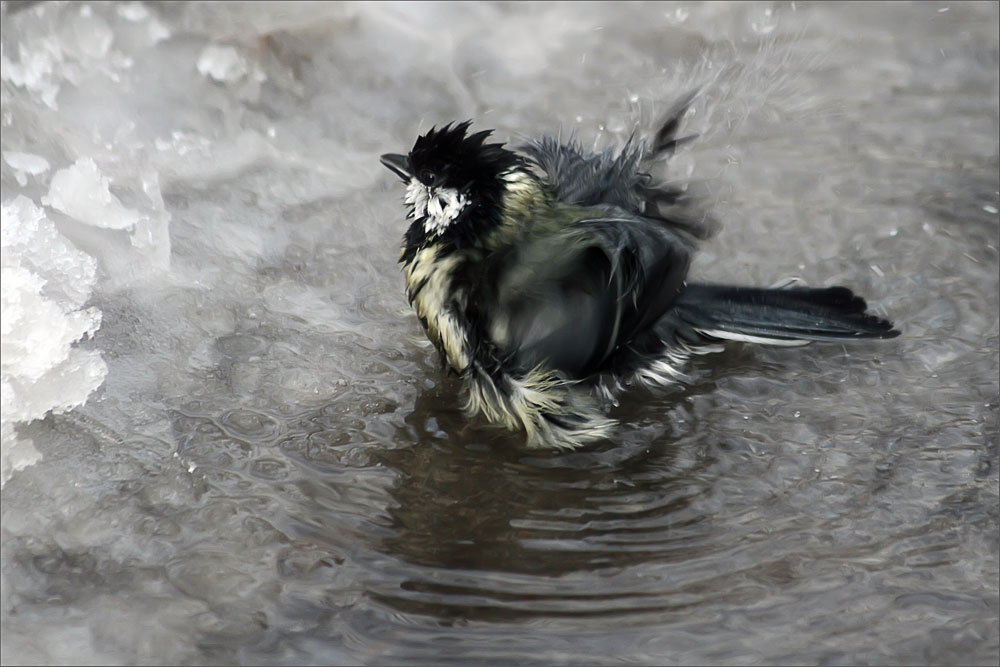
(458, 159)
(450, 157)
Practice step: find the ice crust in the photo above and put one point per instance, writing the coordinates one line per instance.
(85, 204)
(44, 283)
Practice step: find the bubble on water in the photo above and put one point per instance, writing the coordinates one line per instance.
(249, 424)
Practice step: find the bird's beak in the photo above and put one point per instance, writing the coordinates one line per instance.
(399, 164)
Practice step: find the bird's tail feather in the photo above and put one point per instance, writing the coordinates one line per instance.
(791, 316)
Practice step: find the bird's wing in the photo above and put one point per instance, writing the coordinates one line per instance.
(567, 300)
(622, 180)
(587, 179)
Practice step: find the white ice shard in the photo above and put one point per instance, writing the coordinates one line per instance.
(82, 192)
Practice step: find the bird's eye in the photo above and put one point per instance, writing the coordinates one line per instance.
(427, 177)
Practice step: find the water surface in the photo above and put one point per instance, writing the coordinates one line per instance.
(275, 471)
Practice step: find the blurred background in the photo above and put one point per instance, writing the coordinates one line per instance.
(225, 439)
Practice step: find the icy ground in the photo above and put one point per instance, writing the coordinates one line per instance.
(225, 439)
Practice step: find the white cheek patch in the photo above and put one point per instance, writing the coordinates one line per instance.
(416, 197)
(439, 207)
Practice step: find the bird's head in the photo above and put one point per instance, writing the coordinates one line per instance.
(455, 184)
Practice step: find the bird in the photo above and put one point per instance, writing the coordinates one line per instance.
(551, 277)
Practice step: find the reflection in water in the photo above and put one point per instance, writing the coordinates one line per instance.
(494, 506)
(495, 531)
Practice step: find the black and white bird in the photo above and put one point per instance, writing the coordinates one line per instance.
(550, 277)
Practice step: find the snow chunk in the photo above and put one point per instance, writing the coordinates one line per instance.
(33, 70)
(136, 12)
(82, 192)
(133, 11)
(44, 281)
(222, 63)
(24, 164)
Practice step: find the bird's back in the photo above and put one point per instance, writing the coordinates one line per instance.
(570, 295)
